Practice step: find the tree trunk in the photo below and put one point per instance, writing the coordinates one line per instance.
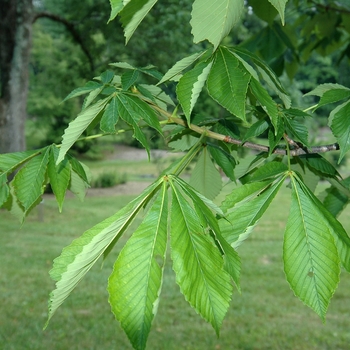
(15, 42)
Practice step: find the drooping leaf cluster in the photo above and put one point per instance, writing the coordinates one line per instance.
(203, 235)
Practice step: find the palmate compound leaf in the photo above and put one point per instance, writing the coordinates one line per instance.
(135, 283)
(190, 86)
(245, 206)
(79, 124)
(78, 258)
(228, 82)
(197, 263)
(311, 261)
(212, 20)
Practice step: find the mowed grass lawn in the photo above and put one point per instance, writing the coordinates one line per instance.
(265, 316)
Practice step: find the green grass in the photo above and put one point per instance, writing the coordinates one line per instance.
(265, 316)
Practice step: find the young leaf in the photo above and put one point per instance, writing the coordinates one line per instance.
(135, 283)
(311, 261)
(198, 264)
(132, 15)
(213, 20)
(59, 176)
(29, 182)
(78, 258)
(190, 86)
(244, 213)
(78, 126)
(180, 66)
(228, 83)
(110, 117)
(340, 128)
(205, 178)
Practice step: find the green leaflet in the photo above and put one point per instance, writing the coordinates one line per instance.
(129, 112)
(191, 85)
(116, 7)
(129, 78)
(110, 117)
(135, 283)
(224, 160)
(10, 161)
(269, 170)
(59, 176)
(340, 128)
(228, 83)
(29, 182)
(341, 238)
(205, 178)
(160, 97)
(204, 209)
(320, 164)
(132, 15)
(246, 206)
(329, 93)
(212, 20)
(180, 66)
(88, 87)
(256, 129)
(298, 130)
(78, 126)
(78, 258)
(267, 74)
(280, 6)
(266, 102)
(204, 282)
(335, 201)
(4, 189)
(311, 261)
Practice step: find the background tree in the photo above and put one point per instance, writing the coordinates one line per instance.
(257, 113)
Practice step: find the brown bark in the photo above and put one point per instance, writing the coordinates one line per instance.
(15, 42)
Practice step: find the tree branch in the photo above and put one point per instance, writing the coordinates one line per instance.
(71, 28)
(255, 146)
